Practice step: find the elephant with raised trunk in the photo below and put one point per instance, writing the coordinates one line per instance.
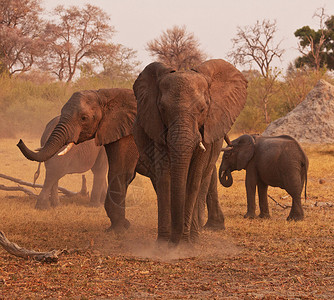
(81, 158)
(107, 116)
(269, 161)
(181, 122)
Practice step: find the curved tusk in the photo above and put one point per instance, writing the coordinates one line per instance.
(202, 146)
(68, 148)
(227, 140)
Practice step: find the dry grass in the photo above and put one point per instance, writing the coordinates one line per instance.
(271, 259)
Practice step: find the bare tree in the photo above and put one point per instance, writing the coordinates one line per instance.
(20, 30)
(255, 44)
(177, 48)
(76, 35)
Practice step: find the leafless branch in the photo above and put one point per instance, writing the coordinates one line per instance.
(21, 182)
(14, 249)
(16, 188)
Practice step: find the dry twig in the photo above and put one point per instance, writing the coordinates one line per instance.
(12, 248)
(279, 204)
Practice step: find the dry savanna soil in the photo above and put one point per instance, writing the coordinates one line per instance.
(251, 259)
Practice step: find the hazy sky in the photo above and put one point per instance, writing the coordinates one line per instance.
(213, 22)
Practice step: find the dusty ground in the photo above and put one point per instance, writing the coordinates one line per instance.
(251, 259)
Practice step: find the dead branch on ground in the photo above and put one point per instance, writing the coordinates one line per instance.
(12, 248)
(16, 188)
(279, 204)
(19, 181)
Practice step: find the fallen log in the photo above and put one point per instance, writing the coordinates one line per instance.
(19, 181)
(17, 188)
(14, 249)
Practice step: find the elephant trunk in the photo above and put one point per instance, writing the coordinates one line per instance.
(181, 148)
(226, 178)
(58, 138)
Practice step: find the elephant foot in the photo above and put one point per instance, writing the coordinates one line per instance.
(215, 225)
(163, 238)
(264, 215)
(42, 205)
(55, 203)
(295, 217)
(162, 243)
(95, 204)
(249, 215)
(119, 227)
(194, 237)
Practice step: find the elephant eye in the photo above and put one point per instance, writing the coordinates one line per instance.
(84, 118)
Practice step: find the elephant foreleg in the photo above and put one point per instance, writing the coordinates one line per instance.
(263, 200)
(161, 183)
(122, 158)
(154, 163)
(54, 197)
(251, 181)
(191, 212)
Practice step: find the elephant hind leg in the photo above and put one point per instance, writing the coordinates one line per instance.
(54, 197)
(216, 220)
(294, 188)
(43, 202)
(99, 188)
(296, 212)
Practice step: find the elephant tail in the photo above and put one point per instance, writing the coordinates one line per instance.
(305, 166)
(36, 175)
(305, 181)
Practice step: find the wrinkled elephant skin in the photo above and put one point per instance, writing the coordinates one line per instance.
(181, 122)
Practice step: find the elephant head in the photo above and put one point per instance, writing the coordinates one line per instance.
(105, 114)
(184, 111)
(236, 157)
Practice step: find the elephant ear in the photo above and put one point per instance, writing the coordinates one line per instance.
(119, 109)
(245, 148)
(227, 88)
(146, 89)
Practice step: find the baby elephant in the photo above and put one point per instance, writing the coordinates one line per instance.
(276, 161)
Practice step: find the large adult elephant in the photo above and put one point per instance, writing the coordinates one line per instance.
(181, 121)
(106, 115)
(81, 158)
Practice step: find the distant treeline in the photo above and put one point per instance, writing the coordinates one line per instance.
(28, 103)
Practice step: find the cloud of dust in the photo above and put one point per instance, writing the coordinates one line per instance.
(210, 247)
